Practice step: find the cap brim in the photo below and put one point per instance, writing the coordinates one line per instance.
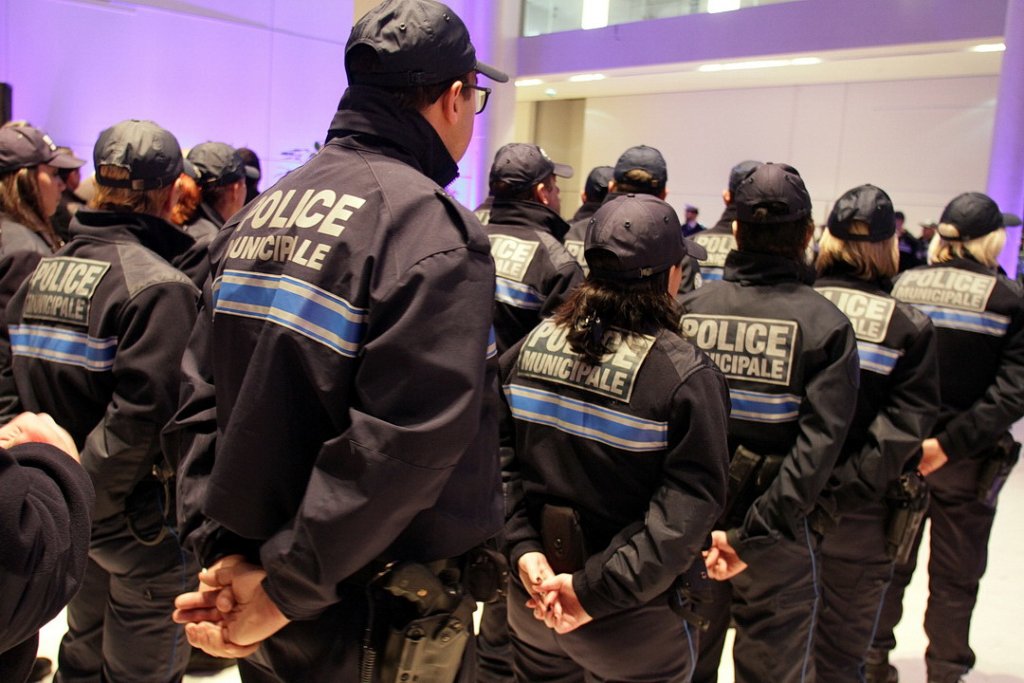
(190, 170)
(1010, 220)
(695, 250)
(252, 172)
(491, 72)
(66, 161)
(562, 170)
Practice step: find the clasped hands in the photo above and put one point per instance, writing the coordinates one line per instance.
(230, 614)
(552, 597)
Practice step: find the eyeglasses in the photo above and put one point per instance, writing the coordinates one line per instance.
(482, 94)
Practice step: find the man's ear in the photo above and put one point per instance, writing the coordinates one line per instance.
(540, 194)
(452, 102)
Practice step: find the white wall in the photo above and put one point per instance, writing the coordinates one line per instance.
(265, 74)
(922, 141)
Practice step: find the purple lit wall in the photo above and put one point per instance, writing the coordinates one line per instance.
(1006, 163)
(265, 74)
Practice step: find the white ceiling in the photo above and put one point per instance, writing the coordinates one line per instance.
(900, 62)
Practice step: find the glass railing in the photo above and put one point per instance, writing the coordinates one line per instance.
(552, 16)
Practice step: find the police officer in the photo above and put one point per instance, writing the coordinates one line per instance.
(348, 292)
(97, 333)
(791, 361)
(979, 318)
(718, 240)
(896, 408)
(620, 462)
(534, 271)
(221, 182)
(595, 189)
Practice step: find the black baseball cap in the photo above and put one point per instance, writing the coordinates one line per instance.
(643, 158)
(776, 188)
(643, 235)
(975, 215)
(596, 187)
(739, 172)
(417, 42)
(149, 153)
(217, 163)
(520, 165)
(26, 146)
(868, 204)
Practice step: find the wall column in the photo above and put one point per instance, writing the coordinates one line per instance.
(1006, 162)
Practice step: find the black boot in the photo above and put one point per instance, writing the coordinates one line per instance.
(41, 668)
(877, 668)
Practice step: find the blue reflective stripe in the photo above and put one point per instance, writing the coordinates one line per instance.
(492, 343)
(711, 273)
(760, 407)
(63, 346)
(586, 420)
(517, 294)
(956, 319)
(876, 358)
(291, 303)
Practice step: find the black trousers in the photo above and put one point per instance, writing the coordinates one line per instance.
(855, 571)
(493, 646)
(648, 644)
(119, 623)
(774, 604)
(960, 527)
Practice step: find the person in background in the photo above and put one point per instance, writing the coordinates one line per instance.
(897, 405)
(253, 173)
(718, 240)
(46, 501)
(790, 357)
(222, 188)
(692, 226)
(978, 315)
(913, 251)
(595, 190)
(614, 486)
(70, 200)
(342, 320)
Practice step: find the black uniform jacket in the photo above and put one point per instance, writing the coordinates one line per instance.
(349, 343)
(637, 446)
(718, 241)
(898, 401)
(535, 274)
(45, 500)
(979, 319)
(586, 210)
(96, 333)
(790, 357)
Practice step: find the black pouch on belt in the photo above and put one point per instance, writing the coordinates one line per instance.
(562, 537)
(907, 501)
(996, 469)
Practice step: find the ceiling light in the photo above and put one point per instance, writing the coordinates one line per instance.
(715, 6)
(989, 47)
(759, 64)
(805, 61)
(583, 78)
(524, 82)
(595, 14)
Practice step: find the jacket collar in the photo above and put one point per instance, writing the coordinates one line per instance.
(154, 233)
(528, 214)
(368, 119)
(751, 268)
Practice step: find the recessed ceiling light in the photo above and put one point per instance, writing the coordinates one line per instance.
(583, 78)
(989, 47)
(524, 82)
(805, 61)
(715, 6)
(759, 64)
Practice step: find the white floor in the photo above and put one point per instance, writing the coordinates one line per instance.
(1000, 612)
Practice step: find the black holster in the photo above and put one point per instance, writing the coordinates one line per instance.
(750, 475)
(907, 501)
(149, 508)
(419, 626)
(996, 469)
(690, 591)
(562, 537)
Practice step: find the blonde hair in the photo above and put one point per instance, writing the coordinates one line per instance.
(985, 249)
(21, 200)
(869, 260)
(151, 202)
